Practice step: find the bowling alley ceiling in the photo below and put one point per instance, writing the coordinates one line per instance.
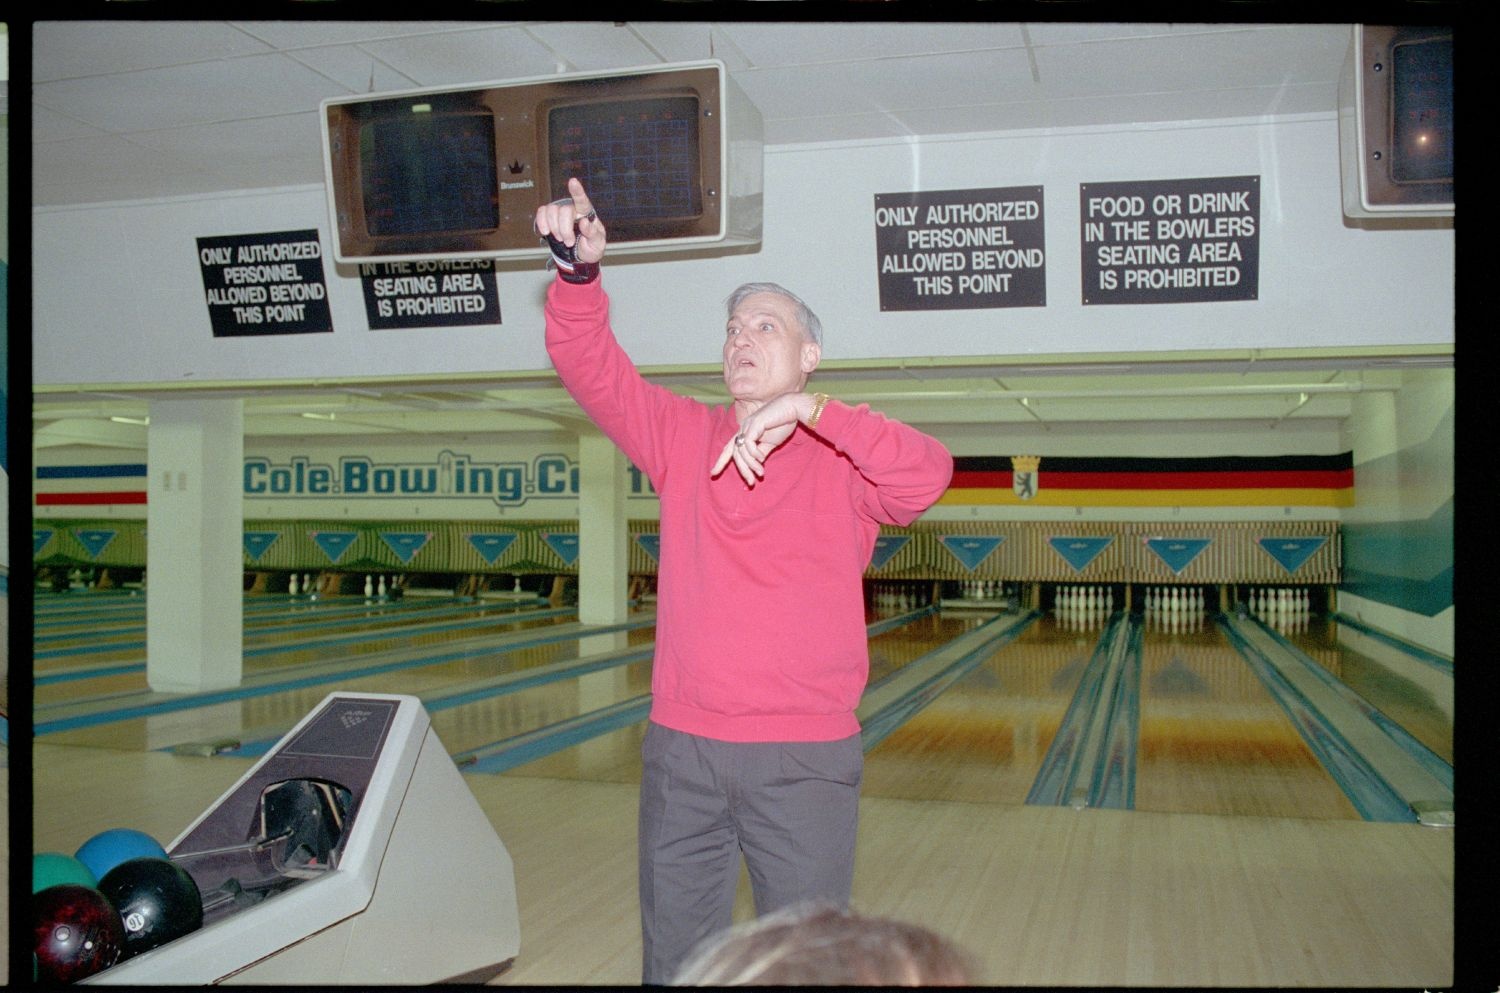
(140, 109)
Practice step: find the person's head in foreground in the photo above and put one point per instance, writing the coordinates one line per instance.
(819, 944)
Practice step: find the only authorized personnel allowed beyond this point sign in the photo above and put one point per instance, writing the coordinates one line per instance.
(268, 283)
(961, 249)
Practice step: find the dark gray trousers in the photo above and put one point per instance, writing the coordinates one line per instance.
(791, 808)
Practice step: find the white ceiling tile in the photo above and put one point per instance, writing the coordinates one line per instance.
(75, 165)
(257, 86)
(355, 69)
(860, 87)
(813, 81)
(266, 152)
(1072, 32)
(476, 56)
(690, 41)
(796, 43)
(48, 125)
(63, 49)
(1165, 65)
(307, 34)
(586, 45)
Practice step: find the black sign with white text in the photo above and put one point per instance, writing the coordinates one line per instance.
(961, 249)
(1171, 240)
(425, 294)
(268, 283)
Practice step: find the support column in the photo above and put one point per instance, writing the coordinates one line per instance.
(194, 545)
(603, 531)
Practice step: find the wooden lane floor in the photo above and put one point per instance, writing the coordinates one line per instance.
(272, 699)
(284, 635)
(1212, 737)
(899, 638)
(271, 623)
(1044, 895)
(1412, 687)
(984, 738)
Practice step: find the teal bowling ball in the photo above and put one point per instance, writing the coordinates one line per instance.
(108, 849)
(55, 868)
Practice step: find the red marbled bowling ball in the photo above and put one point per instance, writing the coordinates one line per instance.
(76, 932)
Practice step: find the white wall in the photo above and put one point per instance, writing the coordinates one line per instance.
(119, 296)
(1399, 536)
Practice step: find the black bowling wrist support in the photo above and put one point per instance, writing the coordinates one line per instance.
(568, 266)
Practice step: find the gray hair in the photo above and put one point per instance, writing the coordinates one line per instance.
(820, 944)
(812, 328)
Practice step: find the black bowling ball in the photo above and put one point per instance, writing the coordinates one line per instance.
(156, 900)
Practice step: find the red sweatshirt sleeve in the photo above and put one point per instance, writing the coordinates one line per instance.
(908, 470)
(636, 415)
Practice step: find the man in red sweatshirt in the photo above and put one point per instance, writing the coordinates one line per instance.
(770, 508)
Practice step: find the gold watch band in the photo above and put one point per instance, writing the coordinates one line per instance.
(820, 400)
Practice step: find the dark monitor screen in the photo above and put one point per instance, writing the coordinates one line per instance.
(426, 172)
(1422, 111)
(638, 159)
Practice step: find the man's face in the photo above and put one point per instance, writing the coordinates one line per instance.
(765, 351)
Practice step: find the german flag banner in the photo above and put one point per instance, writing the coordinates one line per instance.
(1224, 481)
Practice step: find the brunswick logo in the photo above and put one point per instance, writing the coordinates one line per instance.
(1023, 482)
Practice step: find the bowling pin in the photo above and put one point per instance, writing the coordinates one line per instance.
(369, 585)
(381, 588)
(292, 586)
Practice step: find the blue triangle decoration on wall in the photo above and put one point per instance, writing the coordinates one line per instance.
(1291, 553)
(256, 543)
(406, 544)
(650, 544)
(886, 546)
(333, 543)
(1178, 553)
(565, 544)
(491, 546)
(1079, 551)
(39, 539)
(970, 549)
(94, 540)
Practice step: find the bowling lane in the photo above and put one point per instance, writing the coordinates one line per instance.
(1416, 695)
(253, 717)
(890, 650)
(983, 740)
(365, 635)
(1212, 738)
(615, 757)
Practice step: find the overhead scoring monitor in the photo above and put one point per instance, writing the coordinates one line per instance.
(670, 156)
(1396, 122)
